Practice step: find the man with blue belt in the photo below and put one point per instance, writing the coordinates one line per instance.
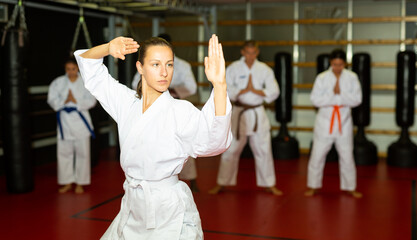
(69, 98)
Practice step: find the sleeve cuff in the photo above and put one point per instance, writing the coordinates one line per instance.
(88, 67)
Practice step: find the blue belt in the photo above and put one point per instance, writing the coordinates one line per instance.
(68, 110)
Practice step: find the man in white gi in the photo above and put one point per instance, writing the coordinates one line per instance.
(335, 92)
(249, 83)
(71, 100)
(183, 85)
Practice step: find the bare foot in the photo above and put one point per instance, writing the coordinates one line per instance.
(216, 189)
(310, 192)
(79, 189)
(355, 194)
(274, 191)
(193, 186)
(65, 188)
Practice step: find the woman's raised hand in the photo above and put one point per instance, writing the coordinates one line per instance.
(121, 46)
(214, 64)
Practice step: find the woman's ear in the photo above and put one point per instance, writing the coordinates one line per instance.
(139, 67)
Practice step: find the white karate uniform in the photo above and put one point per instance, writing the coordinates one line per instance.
(76, 141)
(184, 84)
(327, 132)
(154, 146)
(237, 77)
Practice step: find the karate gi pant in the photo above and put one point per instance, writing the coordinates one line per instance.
(189, 170)
(347, 168)
(260, 144)
(74, 161)
(156, 210)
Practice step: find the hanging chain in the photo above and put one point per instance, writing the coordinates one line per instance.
(81, 22)
(128, 30)
(86, 35)
(23, 25)
(18, 9)
(12, 20)
(74, 40)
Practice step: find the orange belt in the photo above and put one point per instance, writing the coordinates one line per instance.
(337, 113)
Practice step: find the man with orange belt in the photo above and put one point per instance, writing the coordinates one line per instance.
(335, 92)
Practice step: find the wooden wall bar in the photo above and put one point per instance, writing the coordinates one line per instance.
(378, 87)
(318, 21)
(368, 131)
(312, 64)
(283, 21)
(312, 108)
(305, 43)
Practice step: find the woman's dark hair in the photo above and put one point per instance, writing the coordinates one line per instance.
(155, 41)
(338, 53)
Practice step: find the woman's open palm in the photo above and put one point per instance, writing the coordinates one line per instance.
(121, 46)
(214, 64)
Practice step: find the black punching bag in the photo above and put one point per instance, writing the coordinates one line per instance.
(14, 103)
(364, 151)
(283, 145)
(323, 64)
(403, 153)
(127, 69)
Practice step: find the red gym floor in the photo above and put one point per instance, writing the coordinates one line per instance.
(244, 212)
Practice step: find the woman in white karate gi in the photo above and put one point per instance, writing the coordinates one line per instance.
(157, 133)
(183, 85)
(71, 100)
(335, 92)
(250, 83)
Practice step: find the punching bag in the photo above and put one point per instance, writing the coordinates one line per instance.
(14, 103)
(127, 69)
(364, 151)
(323, 64)
(403, 153)
(283, 145)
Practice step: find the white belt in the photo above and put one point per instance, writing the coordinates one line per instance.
(146, 185)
